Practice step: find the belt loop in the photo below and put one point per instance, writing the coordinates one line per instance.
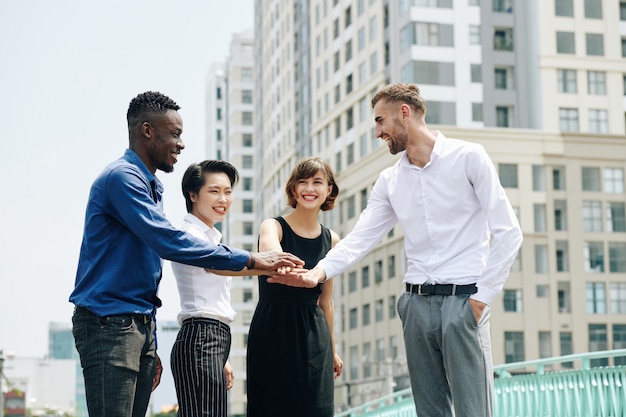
(453, 289)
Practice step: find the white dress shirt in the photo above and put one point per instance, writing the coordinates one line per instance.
(202, 294)
(449, 210)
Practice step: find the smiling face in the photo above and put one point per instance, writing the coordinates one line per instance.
(212, 202)
(312, 192)
(390, 127)
(165, 143)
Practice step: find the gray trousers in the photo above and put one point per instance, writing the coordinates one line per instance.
(448, 355)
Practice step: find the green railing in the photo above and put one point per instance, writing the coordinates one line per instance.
(534, 392)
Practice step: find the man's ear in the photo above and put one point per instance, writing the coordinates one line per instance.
(146, 130)
(405, 109)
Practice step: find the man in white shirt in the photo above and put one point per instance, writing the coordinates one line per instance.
(461, 238)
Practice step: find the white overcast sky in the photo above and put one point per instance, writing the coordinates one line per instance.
(68, 69)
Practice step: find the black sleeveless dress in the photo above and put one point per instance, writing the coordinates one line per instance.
(290, 358)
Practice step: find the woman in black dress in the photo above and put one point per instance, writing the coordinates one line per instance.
(291, 359)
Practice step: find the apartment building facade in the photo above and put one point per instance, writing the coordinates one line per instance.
(541, 84)
(231, 136)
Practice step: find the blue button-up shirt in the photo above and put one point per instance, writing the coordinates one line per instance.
(126, 236)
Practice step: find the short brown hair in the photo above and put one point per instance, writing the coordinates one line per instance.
(405, 93)
(306, 168)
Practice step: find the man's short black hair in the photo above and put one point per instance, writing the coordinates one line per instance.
(149, 102)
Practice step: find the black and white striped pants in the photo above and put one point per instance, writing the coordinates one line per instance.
(197, 360)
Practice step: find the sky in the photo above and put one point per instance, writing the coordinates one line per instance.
(68, 69)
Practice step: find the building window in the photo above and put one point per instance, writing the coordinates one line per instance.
(598, 342)
(246, 139)
(596, 82)
(542, 291)
(598, 121)
(246, 161)
(560, 215)
(474, 35)
(593, 9)
(503, 6)
(392, 306)
(568, 120)
(247, 75)
(218, 135)
(353, 318)
(564, 297)
(565, 43)
(504, 116)
(513, 347)
(545, 345)
(512, 301)
(619, 342)
(617, 294)
(373, 63)
(378, 271)
(566, 346)
(593, 254)
(365, 277)
(336, 28)
(379, 310)
(622, 10)
(247, 183)
(596, 298)
(503, 78)
(592, 216)
(562, 256)
(614, 180)
(351, 209)
(539, 211)
(595, 44)
(367, 360)
(541, 259)
(348, 54)
(246, 118)
(218, 114)
(441, 112)
(352, 281)
(348, 16)
(617, 257)
(361, 39)
(503, 39)
(476, 74)
(564, 8)
(477, 112)
(508, 175)
(539, 178)
(391, 266)
(590, 179)
(373, 26)
(248, 206)
(349, 86)
(246, 96)
(558, 178)
(566, 81)
(248, 228)
(366, 315)
(337, 61)
(362, 72)
(350, 154)
(355, 362)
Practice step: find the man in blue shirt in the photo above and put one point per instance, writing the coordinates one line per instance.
(126, 236)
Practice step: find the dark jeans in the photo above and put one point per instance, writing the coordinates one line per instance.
(118, 357)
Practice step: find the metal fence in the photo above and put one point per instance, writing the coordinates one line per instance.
(527, 389)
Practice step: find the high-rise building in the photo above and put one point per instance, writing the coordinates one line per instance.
(231, 136)
(541, 84)
(61, 346)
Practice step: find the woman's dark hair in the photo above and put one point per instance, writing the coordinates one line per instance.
(306, 168)
(194, 177)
